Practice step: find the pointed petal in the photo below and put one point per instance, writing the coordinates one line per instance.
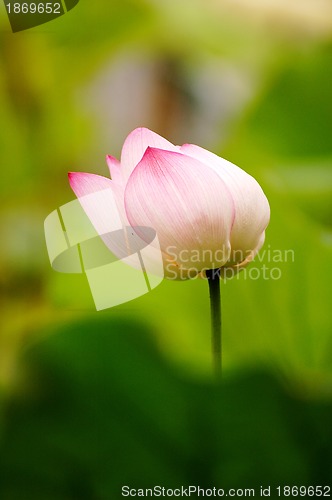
(252, 210)
(83, 183)
(186, 203)
(98, 197)
(136, 144)
(114, 167)
(103, 202)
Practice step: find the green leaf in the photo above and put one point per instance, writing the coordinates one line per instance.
(100, 408)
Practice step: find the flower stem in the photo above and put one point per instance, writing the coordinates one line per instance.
(213, 276)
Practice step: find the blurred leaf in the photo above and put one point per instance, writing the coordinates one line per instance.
(102, 409)
(309, 185)
(291, 117)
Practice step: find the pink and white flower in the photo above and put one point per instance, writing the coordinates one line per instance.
(207, 212)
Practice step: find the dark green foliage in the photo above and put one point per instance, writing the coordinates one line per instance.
(101, 408)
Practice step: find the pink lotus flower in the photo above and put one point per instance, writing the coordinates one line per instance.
(207, 212)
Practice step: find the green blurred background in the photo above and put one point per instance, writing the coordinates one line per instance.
(90, 401)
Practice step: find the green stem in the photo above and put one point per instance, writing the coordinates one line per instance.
(213, 276)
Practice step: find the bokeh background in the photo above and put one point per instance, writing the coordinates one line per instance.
(91, 401)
